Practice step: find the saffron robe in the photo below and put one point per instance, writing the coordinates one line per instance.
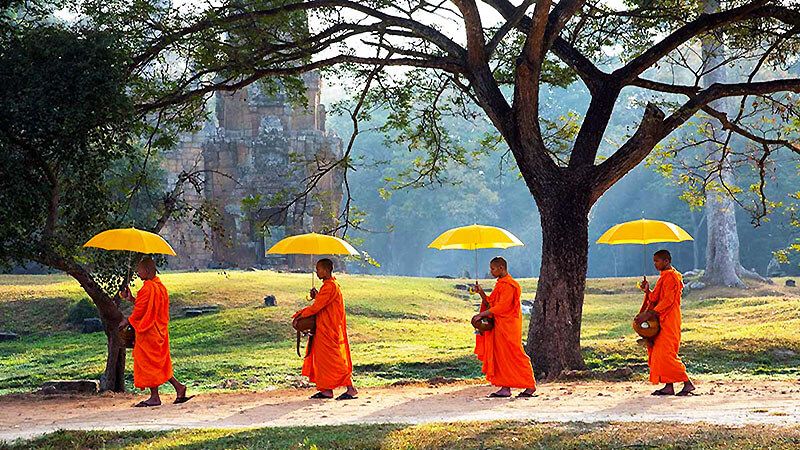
(500, 349)
(328, 363)
(152, 365)
(662, 352)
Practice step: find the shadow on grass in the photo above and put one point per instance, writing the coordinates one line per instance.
(27, 317)
(382, 314)
(754, 357)
(464, 367)
(457, 435)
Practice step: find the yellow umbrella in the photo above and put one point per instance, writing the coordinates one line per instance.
(473, 237)
(643, 232)
(313, 244)
(132, 240)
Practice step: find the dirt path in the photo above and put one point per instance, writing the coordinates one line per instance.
(735, 403)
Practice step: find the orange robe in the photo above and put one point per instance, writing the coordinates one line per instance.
(152, 365)
(662, 352)
(500, 349)
(328, 364)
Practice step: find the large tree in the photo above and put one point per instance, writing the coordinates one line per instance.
(427, 61)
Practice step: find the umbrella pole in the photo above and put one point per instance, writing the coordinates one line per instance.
(644, 266)
(475, 250)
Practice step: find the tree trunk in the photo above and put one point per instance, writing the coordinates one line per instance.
(723, 267)
(554, 334)
(722, 250)
(113, 378)
(695, 243)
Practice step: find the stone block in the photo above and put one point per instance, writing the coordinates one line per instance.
(8, 336)
(791, 283)
(193, 313)
(270, 300)
(92, 325)
(70, 387)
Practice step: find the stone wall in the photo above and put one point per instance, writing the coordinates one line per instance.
(255, 146)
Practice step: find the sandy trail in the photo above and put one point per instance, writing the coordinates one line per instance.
(729, 403)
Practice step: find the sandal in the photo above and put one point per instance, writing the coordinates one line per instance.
(184, 399)
(496, 395)
(320, 395)
(144, 404)
(346, 396)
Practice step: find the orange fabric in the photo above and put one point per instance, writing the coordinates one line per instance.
(152, 365)
(328, 365)
(500, 349)
(665, 299)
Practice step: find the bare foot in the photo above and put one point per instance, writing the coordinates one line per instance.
(527, 393)
(688, 388)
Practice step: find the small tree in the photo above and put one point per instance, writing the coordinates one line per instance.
(73, 162)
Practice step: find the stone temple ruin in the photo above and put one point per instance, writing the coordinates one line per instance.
(255, 146)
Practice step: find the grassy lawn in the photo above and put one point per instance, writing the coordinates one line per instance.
(460, 435)
(400, 329)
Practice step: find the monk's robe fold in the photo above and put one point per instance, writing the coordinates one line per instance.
(152, 365)
(500, 349)
(328, 364)
(662, 352)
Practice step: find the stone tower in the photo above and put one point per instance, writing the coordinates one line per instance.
(260, 148)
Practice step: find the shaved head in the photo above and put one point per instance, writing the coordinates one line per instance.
(146, 268)
(326, 264)
(499, 261)
(663, 254)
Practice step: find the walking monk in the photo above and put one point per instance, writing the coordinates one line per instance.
(664, 302)
(500, 349)
(152, 365)
(328, 363)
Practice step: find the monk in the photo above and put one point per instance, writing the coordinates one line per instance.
(664, 302)
(328, 362)
(500, 349)
(152, 365)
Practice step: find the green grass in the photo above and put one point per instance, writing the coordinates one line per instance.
(401, 329)
(461, 435)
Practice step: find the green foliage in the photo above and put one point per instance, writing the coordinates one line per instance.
(66, 121)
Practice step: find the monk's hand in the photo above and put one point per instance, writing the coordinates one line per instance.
(313, 293)
(124, 323)
(125, 294)
(478, 289)
(644, 285)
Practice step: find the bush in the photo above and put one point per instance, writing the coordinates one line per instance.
(84, 309)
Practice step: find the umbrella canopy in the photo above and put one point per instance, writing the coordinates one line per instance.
(644, 231)
(313, 244)
(473, 237)
(132, 240)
